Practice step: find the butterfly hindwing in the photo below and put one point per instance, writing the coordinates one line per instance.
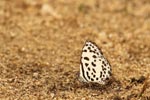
(94, 67)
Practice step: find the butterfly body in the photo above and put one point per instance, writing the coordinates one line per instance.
(94, 67)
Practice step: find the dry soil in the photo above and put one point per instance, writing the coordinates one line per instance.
(41, 43)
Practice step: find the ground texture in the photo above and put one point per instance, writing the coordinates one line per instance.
(41, 43)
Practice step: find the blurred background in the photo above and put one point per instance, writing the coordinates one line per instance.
(41, 43)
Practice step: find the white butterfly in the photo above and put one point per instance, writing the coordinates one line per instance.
(94, 67)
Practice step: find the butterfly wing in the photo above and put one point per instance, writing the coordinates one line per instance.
(94, 67)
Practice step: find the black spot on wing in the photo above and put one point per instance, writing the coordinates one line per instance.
(109, 73)
(103, 75)
(104, 72)
(107, 78)
(89, 48)
(86, 58)
(91, 51)
(86, 64)
(103, 68)
(89, 69)
(84, 50)
(94, 76)
(100, 74)
(97, 53)
(92, 79)
(94, 56)
(103, 62)
(93, 70)
(88, 75)
(94, 65)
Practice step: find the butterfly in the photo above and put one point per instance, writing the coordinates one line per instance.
(94, 67)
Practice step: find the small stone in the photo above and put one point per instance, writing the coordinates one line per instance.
(48, 10)
(35, 74)
(52, 95)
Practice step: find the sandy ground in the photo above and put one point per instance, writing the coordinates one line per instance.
(41, 43)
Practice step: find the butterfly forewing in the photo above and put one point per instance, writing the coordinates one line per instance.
(94, 67)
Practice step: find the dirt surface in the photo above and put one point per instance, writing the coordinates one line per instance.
(41, 43)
